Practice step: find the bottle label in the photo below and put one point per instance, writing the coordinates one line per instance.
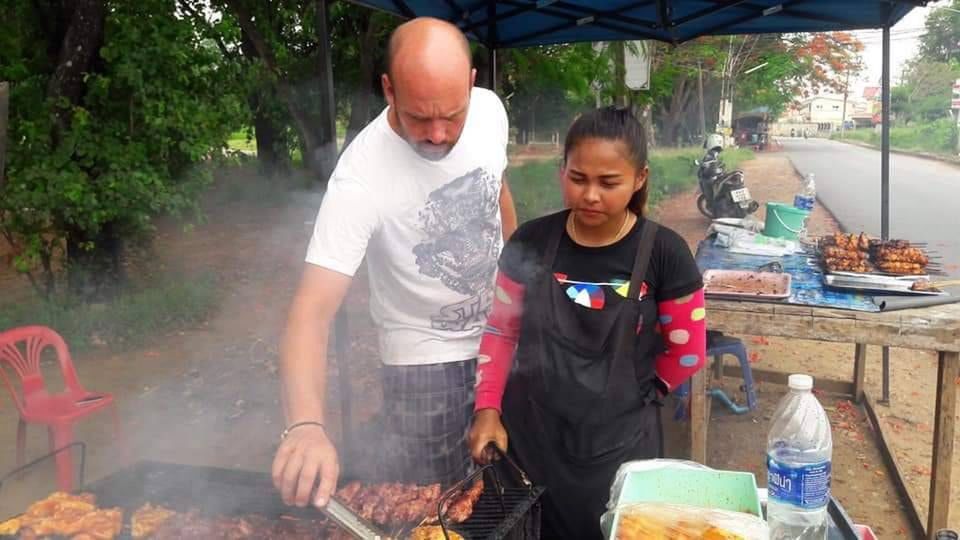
(804, 486)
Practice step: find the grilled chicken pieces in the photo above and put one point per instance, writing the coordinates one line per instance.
(62, 514)
(387, 504)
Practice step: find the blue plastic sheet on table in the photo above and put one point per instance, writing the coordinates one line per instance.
(807, 289)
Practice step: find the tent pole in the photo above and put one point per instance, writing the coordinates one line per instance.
(885, 139)
(492, 39)
(328, 113)
(885, 183)
(492, 68)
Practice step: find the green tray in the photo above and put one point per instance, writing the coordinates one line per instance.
(722, 490)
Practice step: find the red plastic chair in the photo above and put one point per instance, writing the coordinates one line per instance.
(21, 348)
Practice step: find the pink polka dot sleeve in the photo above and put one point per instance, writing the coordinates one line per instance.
(684, 329)
(499, 343)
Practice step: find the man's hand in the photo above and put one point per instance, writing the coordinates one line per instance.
(307, 452)
(487, 428)
(304, 455)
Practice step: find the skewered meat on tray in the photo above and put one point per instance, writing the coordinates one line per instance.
(850, 242)
(848, 265)
(861, 254)
(834, 252)
(908, 255)
(902, 268)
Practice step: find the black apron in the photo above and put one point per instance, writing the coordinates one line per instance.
(581, 399)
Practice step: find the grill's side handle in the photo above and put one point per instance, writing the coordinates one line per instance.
(24, 468)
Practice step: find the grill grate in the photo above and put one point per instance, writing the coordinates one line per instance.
(488, 520)
(213, 490)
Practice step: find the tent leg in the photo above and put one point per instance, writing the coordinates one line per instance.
(885, 140)
(885, 182)
(492, 39)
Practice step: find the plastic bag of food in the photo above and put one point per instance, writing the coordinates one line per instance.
(666, 521)
(629, 467)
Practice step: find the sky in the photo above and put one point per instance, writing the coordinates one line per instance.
(904, 44)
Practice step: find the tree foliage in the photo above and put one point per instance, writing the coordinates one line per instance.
(941, 40)
(93, 165)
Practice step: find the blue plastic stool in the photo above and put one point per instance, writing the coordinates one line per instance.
(717, 346)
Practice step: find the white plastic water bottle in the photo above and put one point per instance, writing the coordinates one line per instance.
(808, 195)
(799, 450)
(810, 190)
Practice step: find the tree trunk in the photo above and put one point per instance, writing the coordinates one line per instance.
(94, 269)
(93, 259)
(272, 155)
(674, 114)
(4, 109)
(362, 99)
(315, 155)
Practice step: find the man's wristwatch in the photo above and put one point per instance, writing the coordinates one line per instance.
(294, 426)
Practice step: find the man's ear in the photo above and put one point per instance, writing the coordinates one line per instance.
(388, 91)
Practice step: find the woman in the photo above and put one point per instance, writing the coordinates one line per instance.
(582, 299)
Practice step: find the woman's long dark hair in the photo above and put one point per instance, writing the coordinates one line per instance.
(614, 124)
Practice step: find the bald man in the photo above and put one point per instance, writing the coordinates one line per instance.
(419, 193)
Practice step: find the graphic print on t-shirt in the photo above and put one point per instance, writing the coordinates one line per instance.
(592, 294)
(461, 247)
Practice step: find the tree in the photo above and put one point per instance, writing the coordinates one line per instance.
(941, 41)
(547, 85)
(926, 88)
(113, 105)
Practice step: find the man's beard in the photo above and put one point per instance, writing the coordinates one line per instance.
(430, 151)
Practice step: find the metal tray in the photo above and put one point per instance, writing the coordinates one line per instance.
(877, 283)
(726, 284)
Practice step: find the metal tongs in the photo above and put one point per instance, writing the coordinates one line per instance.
(349, 521)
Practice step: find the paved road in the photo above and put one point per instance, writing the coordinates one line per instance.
(924, 194)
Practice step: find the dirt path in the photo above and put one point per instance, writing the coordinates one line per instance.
(210, 395)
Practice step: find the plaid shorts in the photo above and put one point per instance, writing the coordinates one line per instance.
(427, 412)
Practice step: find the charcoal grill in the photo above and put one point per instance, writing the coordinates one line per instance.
(500, 513)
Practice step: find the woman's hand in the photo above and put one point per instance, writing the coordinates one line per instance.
(487, 428)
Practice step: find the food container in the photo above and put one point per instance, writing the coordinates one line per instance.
(680, 482)
(747, 284)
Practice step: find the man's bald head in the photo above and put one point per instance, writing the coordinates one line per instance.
(427, 84)
(412, 33)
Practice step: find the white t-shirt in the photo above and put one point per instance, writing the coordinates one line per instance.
(430, 230)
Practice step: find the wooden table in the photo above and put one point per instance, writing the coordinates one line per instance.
(933, 329)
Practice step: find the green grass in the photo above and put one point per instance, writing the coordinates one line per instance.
(536, 189)
(174, 303)
(935, 137)
(242, 141)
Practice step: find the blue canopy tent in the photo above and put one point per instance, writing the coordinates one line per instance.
(522, 23)
(501, 24)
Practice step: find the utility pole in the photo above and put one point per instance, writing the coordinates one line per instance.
(703, 116)
(843, 116)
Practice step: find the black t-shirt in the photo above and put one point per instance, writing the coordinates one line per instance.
(593, 272)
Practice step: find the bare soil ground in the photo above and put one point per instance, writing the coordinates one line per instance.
(210, 394)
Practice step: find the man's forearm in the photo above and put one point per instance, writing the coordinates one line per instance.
(303, 368)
